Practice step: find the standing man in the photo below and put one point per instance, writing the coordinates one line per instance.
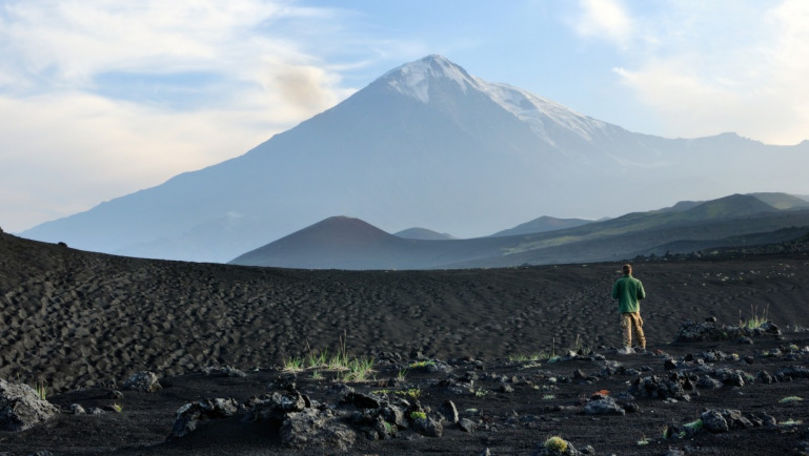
(629, 291)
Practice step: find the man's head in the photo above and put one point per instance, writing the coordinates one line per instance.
(627, 268)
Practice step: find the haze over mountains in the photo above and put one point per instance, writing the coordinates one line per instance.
(426, 144)
(735, 220)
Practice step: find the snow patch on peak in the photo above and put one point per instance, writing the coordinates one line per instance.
(536, 111)
(413, 79)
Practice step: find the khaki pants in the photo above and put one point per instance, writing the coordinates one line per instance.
(631, 321)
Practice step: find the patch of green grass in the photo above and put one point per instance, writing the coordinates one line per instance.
(42, 391)
(756, 320)
(548, 397)
(693, 426)
(293, 364)
(118, 407)
(481, 392)
(790, 399)
(317, 359)
(556, 444)
(401, 375)
(358, 369)
(317, 375)
(643, 441)
(790, 422)
(421, 364)
(418, 415)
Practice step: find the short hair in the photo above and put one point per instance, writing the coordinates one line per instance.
(627, 268)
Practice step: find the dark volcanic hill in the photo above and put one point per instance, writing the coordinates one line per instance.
(423, 234)
(343, 243)
(426, 144)
(334, 243)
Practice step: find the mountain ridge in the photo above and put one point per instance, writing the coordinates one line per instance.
(459, 160)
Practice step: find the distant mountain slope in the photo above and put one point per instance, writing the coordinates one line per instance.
(345, 243)
(423, 234)
(425, 144)
(782, 200)
(542, 224)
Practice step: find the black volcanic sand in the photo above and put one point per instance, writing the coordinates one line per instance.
(73, 319)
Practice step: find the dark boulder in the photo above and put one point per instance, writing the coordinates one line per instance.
(21, 407)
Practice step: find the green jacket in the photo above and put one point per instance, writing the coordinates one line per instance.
(628, 291)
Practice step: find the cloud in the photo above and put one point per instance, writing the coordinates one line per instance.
(604, 19)
(71, 135)
(703, 70)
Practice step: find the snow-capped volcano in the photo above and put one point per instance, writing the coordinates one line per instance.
(543, 115)
(426, 144)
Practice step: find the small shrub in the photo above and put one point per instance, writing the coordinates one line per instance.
(556, 444)
(418, 415)
(118, 407)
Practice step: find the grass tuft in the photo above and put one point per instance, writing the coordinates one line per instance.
(756, 320)
(556, 444)
(418, 415)
(790, 399)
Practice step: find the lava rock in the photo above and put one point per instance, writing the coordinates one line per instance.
(714, 422)
(190, 414)
(467, 425)
(428, 426)
(449, 411)
(144, 381)
(76, 409)
(315, 428)
(603, 406)
(223, 371)
(21, 408)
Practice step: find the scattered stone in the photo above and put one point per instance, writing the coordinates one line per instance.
(765, 377)
(224, 371)
(76, 409)
(318, 428)
(427, 426)
(709, 383)
(21, 407)
(361, 401)
(505, 388)
(190, 414)
(661, 388)
(467, 425)
(144, 381)
(117, 395)
(449, 411)
(603, 406)
(714, 422)
(789, 373)
(745, 340)
(96, 411)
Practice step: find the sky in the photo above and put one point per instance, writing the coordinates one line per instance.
(101, 98)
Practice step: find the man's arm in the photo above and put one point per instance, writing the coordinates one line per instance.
(615, 290)
(641, 291)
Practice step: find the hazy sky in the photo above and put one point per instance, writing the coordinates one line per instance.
(99, 98)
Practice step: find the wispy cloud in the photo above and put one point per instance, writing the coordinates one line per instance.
(604, 19)
(77, 118)
(706, 68)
